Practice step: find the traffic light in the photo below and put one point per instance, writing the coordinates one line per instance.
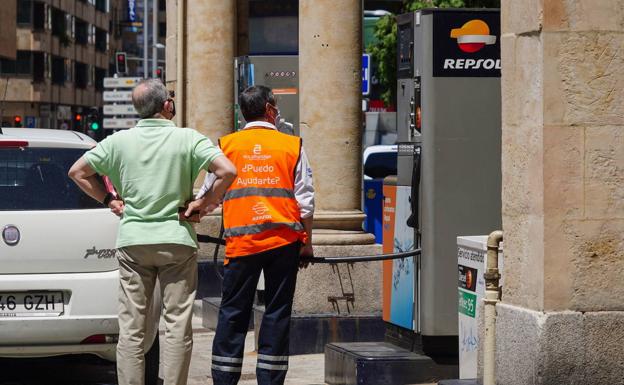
(77, 122)
(160, 74)
(93, 120)
(121, 62)
(17, 121)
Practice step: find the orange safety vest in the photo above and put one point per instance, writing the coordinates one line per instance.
(259, 209)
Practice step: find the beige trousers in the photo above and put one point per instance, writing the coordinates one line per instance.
(175, 266)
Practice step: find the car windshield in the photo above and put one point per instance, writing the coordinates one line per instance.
(36, 179)
(381, 164)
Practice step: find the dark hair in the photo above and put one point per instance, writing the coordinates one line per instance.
(253, 102)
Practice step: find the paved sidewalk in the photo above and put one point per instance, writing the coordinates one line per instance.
(307, 369)
(303, 369)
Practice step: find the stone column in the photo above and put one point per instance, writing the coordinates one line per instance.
(206, 99)
(209, 80)
(207, 59)
(330, 50)
(561, 320)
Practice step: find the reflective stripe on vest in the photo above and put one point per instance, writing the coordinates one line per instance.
(259, 191)
(255, 229)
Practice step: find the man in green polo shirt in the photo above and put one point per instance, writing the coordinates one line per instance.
(153, 167)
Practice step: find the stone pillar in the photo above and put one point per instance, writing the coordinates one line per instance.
(208, 64)
(171, 46)
(330, 50)
(561, 320)
(206, 96)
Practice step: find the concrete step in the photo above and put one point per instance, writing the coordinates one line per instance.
(472, 381)
(381, 363)
(309, 333)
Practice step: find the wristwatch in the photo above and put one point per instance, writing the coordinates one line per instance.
(107, 198)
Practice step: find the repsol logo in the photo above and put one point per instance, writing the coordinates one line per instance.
(470, 64)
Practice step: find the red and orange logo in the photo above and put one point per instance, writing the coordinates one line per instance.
(473, 36)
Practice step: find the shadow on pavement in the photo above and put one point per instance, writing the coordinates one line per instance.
(65, 370)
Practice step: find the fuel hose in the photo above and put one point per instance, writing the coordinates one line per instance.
(219, 241)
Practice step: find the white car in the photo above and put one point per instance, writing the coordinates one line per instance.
(58, 272)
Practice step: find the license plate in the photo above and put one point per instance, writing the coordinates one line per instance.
(31, 304)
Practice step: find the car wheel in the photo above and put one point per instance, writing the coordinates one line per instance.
(152, 363)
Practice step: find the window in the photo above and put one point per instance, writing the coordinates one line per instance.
(58, 23)
(48, 65)
(58, 70)
(7, 67)
(21, 66)
(91, 73)
(81, 75)
(162, 30)
(24, 63)
(39, 16)
(102, 5)
(70, 26)
(38, 63)
(101, 40)
(162, 5)
(82, 32)
(100, 74)
(26, 173)
(24, 12)
(91, 30)
(69, 70)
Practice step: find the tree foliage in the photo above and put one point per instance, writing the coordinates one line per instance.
(384, 51)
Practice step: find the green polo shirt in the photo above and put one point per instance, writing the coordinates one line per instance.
(153, 167)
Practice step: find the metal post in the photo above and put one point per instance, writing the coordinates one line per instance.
(154, 37)
(145, 27)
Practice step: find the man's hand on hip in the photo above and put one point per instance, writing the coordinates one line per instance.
(117, 206)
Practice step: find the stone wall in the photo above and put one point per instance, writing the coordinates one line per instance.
(563, 207)
(563, 153)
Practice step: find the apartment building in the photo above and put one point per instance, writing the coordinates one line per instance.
(65, 48)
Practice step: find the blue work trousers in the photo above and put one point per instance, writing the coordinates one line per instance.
(240, 280)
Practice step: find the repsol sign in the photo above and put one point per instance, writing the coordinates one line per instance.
(466, 44)
(461, 64)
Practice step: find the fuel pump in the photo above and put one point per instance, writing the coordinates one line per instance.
(448, 123)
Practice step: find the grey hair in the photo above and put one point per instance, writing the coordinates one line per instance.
(148, 97)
